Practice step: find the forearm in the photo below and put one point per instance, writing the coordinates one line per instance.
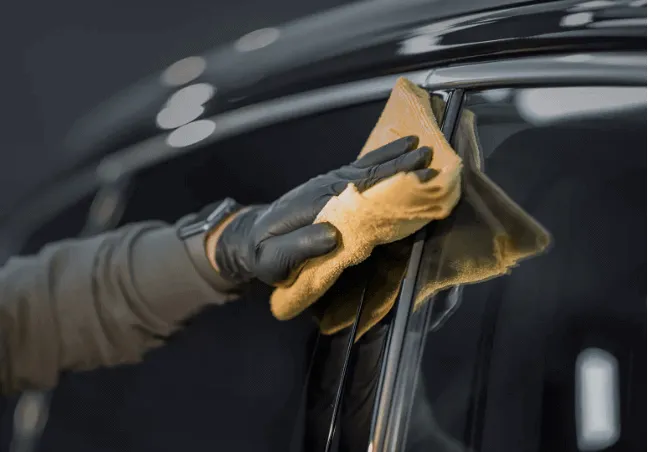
(103, 301)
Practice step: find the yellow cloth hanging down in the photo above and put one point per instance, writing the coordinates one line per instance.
(483, 233)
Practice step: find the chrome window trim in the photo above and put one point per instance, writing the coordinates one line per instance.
(598, 68)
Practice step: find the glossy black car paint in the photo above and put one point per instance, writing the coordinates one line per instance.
(367, 39)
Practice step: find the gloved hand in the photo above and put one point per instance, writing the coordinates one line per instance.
(269, 242)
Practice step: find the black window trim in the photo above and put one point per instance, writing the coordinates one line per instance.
(385, 404)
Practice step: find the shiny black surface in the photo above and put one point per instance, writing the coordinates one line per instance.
(366, 39)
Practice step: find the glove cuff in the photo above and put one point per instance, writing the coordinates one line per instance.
(232, 255)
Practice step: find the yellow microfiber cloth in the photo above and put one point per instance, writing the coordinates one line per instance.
(486, 235)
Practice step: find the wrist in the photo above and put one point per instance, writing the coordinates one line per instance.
(194, 230)
(229, 246)
(213, 237)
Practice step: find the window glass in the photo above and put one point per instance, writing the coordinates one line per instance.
(552, 356)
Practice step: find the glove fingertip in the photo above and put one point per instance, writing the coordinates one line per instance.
(326, 238)
(411, 141)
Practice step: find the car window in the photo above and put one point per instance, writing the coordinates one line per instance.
(550, 357)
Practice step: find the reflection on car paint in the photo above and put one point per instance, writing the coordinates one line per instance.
(183, 71)
(191, 133)
(598, 402)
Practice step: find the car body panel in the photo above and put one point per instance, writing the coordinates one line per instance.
(363, 40)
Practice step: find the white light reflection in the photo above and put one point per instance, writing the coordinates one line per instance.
(428, 38)
(576, 20)
(257, 39)
(173, 117)
(197, 94)
(624, 60)
(419, 44)
(594, 4)
(183, 71)
(545, 105)
(185, 105)
(191, 133)
(497, 94)
(630, 22)
(576, 58)
(31, 413)
(597, 408)
(615, 60)
(442, 27)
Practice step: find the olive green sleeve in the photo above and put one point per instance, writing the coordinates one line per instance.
(101, 301)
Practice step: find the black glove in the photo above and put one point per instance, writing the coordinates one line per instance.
(269, 242)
